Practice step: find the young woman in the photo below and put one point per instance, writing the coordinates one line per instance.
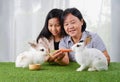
(74, 26)
(51, 35)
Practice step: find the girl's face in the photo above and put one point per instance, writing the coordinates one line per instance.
(54, 26)
(72, 25)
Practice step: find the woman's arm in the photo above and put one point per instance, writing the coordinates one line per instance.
(107, 56)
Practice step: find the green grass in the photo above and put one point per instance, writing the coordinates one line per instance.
(56, 73)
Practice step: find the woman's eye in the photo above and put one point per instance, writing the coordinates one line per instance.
(50, 25)
(57, 25)
(73, 22)
(65, 24)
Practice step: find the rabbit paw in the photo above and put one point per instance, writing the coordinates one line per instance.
(91, 69)
(79, 69)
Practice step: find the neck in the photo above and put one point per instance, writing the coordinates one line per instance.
(77, 38)
(57, 38)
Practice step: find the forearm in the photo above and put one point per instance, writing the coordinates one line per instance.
(63, 61)
(107, 56)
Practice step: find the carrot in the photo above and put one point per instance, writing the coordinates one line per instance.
(63, 50)
(66, 50)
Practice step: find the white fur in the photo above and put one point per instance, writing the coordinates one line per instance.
(90, 58)
(36, 55)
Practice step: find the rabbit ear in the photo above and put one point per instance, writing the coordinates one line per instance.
(88, 40)
(32, 44)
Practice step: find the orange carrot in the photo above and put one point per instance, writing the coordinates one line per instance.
(66, 50)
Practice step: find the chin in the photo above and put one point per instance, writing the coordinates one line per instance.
(55, 34)
(72, 35)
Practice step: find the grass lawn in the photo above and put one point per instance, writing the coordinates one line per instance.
(56, 73)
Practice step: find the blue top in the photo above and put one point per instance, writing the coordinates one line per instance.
(96, 42)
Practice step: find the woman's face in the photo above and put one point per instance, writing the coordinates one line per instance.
(54, 26)
(72, 25)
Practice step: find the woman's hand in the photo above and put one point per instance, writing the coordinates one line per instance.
(59, 57)
(56, 55)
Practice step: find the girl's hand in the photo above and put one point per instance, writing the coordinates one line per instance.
(57, 55)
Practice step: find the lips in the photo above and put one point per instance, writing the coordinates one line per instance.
(72, 31)
(54, 33)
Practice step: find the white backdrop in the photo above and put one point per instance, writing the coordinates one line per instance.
(22, 20)
(115, 17)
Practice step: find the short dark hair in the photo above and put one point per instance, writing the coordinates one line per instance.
(54, 13)
(75, 12)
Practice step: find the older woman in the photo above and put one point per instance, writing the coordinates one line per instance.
(75, 26)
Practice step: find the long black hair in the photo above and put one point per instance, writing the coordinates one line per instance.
(54, 13)
(75, 12)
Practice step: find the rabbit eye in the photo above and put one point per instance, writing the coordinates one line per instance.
(41, 49)
(78, 45)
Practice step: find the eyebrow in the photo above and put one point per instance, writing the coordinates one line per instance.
(52, 23)
(70, 21)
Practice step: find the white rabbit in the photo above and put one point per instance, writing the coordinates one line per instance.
(89, 58)
(36, 55)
